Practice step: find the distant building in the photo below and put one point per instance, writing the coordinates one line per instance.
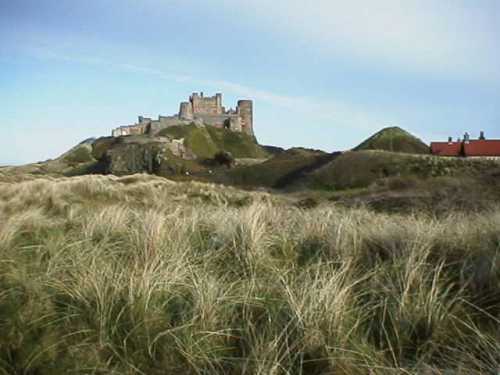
(467, 147)
(198, 110)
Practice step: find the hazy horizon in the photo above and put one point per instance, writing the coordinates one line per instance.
(326, 76)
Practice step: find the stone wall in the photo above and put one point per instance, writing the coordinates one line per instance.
(221, 121)
(165, 122)
(245, 110)
(136, 129)
(200, 110)
(186, 111)
(201, 105)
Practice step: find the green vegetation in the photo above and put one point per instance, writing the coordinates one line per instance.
(172, 165)
(277, 171)
(196, 138)
(206, 141)
(77, 161)
(240, 145)
(142, 275)
(358, 169)
(298, 169)
(101, 146)
(79, 154)
(394, 139)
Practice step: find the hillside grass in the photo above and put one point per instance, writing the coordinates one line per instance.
(359, 169)
(394, 139)
(206, 141)
(275, 170)
(78, 155)
(142, 275)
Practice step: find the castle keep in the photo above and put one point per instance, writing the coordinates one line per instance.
(201, 111)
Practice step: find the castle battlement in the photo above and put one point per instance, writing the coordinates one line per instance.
(198, 109)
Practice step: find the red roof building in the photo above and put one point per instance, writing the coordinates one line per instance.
(490, 147)
(446, 148)
(467, 147)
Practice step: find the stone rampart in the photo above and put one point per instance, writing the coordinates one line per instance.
(200, 110)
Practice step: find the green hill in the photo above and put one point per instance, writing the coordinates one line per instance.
(300, 169)
(93, 155)
(394, 139)
(359, 169)
(279, 171)
(79, 160)
(206, 141)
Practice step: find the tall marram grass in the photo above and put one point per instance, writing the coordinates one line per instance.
(140, 275)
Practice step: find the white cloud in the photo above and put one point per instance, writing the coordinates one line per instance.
(433, 37)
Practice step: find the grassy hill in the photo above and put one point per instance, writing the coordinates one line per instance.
(279, 171)
(358, 169)
(297, 169)
(78, 160)
(206, 141)
(394, 139)
(91, 156)
(383, 181)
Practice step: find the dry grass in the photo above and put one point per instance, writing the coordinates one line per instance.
(141, 275)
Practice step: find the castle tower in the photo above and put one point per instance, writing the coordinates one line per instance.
(218, 103)
(186, 111)
(245, 109)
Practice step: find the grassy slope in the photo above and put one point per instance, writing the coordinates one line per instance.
(358, 169)
(297, 168)
(77, 161)
(206, 141)
(143, 275)
(275, 171)
(394, 139)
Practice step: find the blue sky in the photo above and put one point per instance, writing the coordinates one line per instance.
(324, 74)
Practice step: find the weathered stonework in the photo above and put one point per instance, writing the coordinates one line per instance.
(144, 154)
(200, 110)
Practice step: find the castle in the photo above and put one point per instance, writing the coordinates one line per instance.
(201, 111)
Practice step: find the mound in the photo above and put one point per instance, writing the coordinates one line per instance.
(273, 150)
(394, 139)
(162, 154)
(279, 171)
(77, 161)
(361, 169)
(206, 141)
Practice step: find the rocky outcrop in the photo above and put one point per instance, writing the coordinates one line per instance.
(144, 154)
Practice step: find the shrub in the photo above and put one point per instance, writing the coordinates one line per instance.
(224, 158)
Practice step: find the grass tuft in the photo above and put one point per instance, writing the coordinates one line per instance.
(142, 275)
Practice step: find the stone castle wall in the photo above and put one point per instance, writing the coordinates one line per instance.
(200, 110)
(209, 106)
(245, 110)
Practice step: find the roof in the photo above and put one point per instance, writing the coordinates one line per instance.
(446, 148)
(490, 147)
(482, 148)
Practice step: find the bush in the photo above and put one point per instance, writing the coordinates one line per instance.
(224, 158)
